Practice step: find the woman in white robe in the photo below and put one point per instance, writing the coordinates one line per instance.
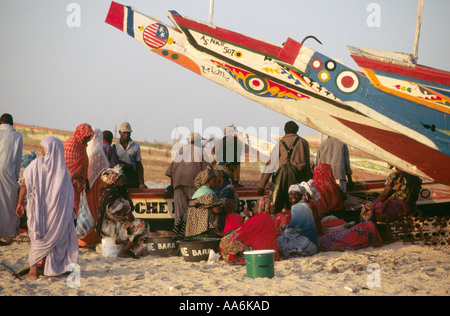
(97, 164)
(50, 198)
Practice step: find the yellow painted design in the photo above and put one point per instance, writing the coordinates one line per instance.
(271, 70)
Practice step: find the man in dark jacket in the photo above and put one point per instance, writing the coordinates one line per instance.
(289, 164)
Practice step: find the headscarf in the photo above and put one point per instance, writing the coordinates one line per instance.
(226, 169)
(330, 193)
(203, 177)
(48, 178)
(305, 187)
(110, 176)
(97, 158)
(266, 205)
(75, 151)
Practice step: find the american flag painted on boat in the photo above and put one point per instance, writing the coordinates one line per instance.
(155, 35)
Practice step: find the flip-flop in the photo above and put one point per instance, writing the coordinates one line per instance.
(10, 270)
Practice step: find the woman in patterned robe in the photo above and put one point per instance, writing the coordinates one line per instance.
(115, 218)
(204, 215)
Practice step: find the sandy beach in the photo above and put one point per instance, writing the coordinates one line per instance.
(395, 269)
(391, 270)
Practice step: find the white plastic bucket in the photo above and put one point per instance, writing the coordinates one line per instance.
(332, 225)
(109, 247)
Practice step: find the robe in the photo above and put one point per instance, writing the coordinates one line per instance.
(10, 160)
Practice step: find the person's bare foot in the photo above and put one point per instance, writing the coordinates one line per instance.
(32, 275)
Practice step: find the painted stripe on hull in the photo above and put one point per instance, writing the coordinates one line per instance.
(130, 21)
(422, 73)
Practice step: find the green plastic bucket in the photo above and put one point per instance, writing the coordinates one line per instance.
(260, 263)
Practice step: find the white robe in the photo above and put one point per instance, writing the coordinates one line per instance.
(10, 160)
(97, 158)
(50, 197)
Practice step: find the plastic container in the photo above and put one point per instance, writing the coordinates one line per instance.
(260, 263)
(109, 248)
(332, 225)
(196, 250)
(163, 246)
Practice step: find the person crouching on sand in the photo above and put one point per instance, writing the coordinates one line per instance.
(50, 195)
(115, 218)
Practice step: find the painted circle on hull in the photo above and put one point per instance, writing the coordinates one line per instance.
(347, 81)
(316, 63)
(330, 65)
(155, 35)
(256, 84)
(324, 76)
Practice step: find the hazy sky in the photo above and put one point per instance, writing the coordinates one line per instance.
(56, 76)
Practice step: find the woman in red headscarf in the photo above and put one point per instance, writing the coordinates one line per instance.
(77, 160)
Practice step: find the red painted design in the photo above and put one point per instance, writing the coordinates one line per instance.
(290, 51)
(418, 71)
(116, 15)
(229, 36)
(430, 161)
(347, 82)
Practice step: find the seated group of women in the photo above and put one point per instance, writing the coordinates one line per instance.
(295, 232)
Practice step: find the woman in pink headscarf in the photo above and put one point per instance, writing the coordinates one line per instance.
(50, 197)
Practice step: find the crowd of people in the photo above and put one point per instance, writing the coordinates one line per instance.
(289, 220)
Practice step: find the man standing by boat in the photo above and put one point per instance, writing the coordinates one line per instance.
(10, 159)
(335, 153)
(129, 154)
(229, 151)
(289, 164)
(188, 162)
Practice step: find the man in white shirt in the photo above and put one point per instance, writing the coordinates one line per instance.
(129, 154)
(11, 143)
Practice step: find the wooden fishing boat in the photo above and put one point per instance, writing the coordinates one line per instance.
(293, 80)
(154, 204)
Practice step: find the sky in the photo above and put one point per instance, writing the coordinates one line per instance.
(56, 76)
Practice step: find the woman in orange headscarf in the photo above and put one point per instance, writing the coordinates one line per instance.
(77, 160)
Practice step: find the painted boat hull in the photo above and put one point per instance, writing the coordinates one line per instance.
(153, 204)
(277, 77)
